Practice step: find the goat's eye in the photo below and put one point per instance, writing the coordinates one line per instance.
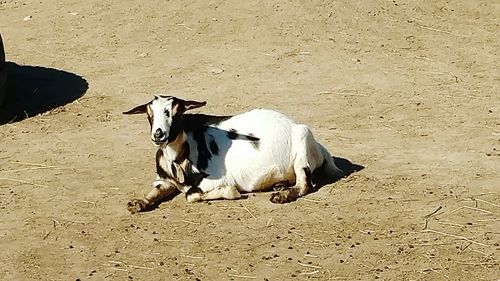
(167, 113)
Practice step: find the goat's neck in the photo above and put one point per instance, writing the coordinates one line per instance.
(176, 151)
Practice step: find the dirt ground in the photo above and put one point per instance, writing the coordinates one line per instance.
(407, 89)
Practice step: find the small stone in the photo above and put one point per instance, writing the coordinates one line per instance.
(27, 18)
(216, 71)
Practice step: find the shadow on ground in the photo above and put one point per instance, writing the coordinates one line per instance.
(319, 180)
(32, 90)
(343, 164)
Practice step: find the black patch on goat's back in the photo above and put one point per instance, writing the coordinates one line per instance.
(159, 170)
(255, 141)
(192, 122)
(214, 148)
(232, 134)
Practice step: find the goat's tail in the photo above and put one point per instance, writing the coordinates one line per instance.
(330, 169)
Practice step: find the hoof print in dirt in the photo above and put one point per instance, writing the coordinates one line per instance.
(136, 205)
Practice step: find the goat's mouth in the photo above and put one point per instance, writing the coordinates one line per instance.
(159, 142)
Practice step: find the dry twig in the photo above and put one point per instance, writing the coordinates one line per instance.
(471, 208)
(455, 236)
(342, 94)
(244, 207)
(489, 203)
(442, 31)
(129, 265)
(268, 223)
(426, 217)
(242, 276)
(190, 222)
(309, 265)
(310, 273)
(439, 267)
(22, 181)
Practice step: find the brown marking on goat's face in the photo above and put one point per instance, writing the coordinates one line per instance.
(151, 114)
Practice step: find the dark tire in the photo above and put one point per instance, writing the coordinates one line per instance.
(3, 74)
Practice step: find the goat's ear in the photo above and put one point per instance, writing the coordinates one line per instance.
(191, 104)
(138, 109)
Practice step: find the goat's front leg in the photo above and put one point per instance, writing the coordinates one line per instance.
(162, 190)
(212, 190)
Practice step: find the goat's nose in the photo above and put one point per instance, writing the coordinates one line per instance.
(159, 134)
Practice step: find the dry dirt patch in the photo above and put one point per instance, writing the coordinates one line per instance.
(409, 90)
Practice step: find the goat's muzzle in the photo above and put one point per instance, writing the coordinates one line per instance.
(159, 137)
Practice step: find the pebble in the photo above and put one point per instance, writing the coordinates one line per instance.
(216, 71)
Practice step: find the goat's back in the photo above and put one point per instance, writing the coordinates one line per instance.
(255, 164)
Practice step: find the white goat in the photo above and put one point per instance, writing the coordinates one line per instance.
(217, 157)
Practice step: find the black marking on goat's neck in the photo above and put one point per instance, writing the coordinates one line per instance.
(197, 126)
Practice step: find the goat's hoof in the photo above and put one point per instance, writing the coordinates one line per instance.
(136, 205)
(194, 195)
(285, 196)
(232, 193)
(280, 197)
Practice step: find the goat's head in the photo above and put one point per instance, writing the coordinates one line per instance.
(165, 116)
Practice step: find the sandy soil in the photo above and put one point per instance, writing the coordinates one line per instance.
(408, 90)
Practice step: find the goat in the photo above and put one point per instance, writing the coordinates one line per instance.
(217, 157)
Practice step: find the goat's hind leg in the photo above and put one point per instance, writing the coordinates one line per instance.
(302, 186)
(162, 190)
(307, 158)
